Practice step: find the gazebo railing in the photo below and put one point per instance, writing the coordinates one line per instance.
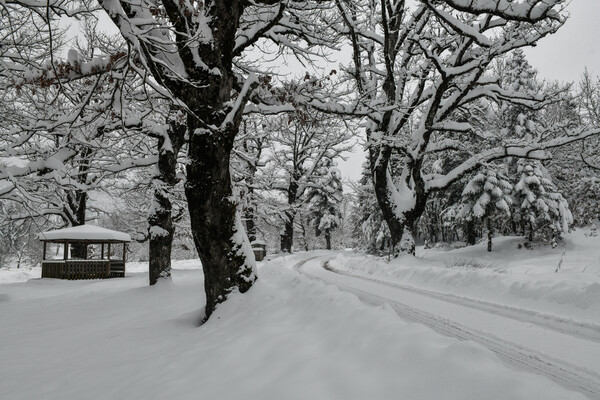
(76, 269)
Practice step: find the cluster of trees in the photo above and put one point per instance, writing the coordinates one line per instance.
(178, 119)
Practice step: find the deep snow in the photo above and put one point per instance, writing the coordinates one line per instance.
(290, 337)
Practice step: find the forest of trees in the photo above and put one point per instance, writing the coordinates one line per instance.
(172, 123)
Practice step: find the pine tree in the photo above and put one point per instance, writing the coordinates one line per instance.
(519, 121)
(485, 196)
(325, 203)
(541, 207)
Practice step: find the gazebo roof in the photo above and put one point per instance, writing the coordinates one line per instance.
(85, 233)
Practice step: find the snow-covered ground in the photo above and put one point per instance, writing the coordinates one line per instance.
(521, 278)
(290, 337)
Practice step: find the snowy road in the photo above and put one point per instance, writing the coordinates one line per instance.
(566, 352)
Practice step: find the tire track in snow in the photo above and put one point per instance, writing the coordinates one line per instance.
(587, 331)
(578, 379)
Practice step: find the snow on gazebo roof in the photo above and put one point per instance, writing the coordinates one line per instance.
(85, 233)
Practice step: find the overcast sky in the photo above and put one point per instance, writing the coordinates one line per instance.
(564, 55)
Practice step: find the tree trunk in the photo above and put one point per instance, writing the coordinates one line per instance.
(252, 166)
(227, 258)
(161, 229)
(250, 224)
(530, 231)
(287, 236)
(328, 240)
(490, 234)
(392, 199)
(304, 234)
(471, 236)
(77, 203)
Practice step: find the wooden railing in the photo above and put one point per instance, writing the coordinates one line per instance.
(117, 269)
(77, 269)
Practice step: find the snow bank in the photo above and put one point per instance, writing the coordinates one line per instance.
(289, 337)
(518, 278)
(12, 275)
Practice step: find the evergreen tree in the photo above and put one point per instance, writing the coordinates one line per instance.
(541, 207)
(325, 203)
(518, 121)
(485, 196)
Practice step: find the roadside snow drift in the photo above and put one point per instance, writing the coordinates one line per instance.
(524, 280)
(288, 338)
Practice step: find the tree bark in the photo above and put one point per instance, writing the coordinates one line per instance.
(530, 231)
(328, 240)
(287, 237)
(227, 258)
(401, 224)
(471, 236)
(490, 234)
(161, 229)
(252, 168)
(77, 203)
(250, 224)
(208, 87)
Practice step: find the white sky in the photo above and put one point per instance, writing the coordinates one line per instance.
(564, 55)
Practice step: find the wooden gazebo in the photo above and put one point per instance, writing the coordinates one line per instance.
(84, 268)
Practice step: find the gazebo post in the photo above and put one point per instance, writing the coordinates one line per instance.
(102, 251)
(44, 253)
(66, 250)
(108, 256)
(124, 252)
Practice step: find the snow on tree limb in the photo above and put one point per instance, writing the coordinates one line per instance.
(515, 10)
(533, 151)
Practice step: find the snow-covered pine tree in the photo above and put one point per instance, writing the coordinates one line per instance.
(540, 206)
(324, 203)
(485, 196)
(519, 121)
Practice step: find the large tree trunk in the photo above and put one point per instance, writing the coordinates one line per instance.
(401, 205)
(206, 84)
(287, 236)
(162, 230)
(77, 203)
(227, 258)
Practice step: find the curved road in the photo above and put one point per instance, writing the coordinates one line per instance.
(568, 353)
